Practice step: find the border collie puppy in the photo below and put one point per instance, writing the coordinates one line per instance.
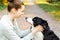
(47, 32)
(39, 35)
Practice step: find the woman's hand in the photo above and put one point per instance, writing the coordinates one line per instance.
(37, 29)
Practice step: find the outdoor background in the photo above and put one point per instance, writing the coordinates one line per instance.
(52, 7)
(46, 9)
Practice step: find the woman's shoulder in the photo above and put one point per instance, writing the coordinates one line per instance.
(4, 22)
(4, 17)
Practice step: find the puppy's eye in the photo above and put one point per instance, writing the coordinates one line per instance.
(34, 19)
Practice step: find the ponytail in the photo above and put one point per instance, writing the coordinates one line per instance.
(10, 1)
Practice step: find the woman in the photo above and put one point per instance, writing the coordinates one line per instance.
(9, 30)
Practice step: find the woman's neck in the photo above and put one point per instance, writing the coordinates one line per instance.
(11, 17)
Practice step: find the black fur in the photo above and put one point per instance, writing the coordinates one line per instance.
(48, 34)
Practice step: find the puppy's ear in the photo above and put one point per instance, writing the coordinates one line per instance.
(45, 25)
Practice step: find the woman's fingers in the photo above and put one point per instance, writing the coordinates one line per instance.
(39, 28)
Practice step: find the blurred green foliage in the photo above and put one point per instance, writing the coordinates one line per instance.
(51, 1)
(2, 7)
(1, 1)
(49, 8)
(53, 9)
(3, 4)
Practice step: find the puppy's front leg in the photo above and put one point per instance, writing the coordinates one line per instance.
(38, 36)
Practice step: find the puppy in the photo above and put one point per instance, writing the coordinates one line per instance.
(47, 32)
(39, 35)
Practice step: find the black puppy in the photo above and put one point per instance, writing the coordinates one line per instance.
(48, 34)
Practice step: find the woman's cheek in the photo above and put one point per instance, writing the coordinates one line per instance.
(21, 13)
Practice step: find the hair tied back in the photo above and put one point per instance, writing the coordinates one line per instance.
(10, 1)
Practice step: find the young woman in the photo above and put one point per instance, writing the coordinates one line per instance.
(9, 29)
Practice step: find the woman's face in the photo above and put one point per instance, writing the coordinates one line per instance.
(19, 12)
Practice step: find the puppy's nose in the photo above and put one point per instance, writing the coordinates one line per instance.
(26, 17)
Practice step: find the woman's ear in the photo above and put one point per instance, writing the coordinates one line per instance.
(13, 10)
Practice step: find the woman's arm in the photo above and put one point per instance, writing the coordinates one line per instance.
(28, 36)
(11, 35)
(19, 31)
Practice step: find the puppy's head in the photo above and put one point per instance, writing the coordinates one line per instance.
(38, 21)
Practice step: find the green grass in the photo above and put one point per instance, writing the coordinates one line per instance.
(49, 8)
(2, 7)
(52, 9)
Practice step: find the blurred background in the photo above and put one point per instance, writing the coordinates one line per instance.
(52, 7)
